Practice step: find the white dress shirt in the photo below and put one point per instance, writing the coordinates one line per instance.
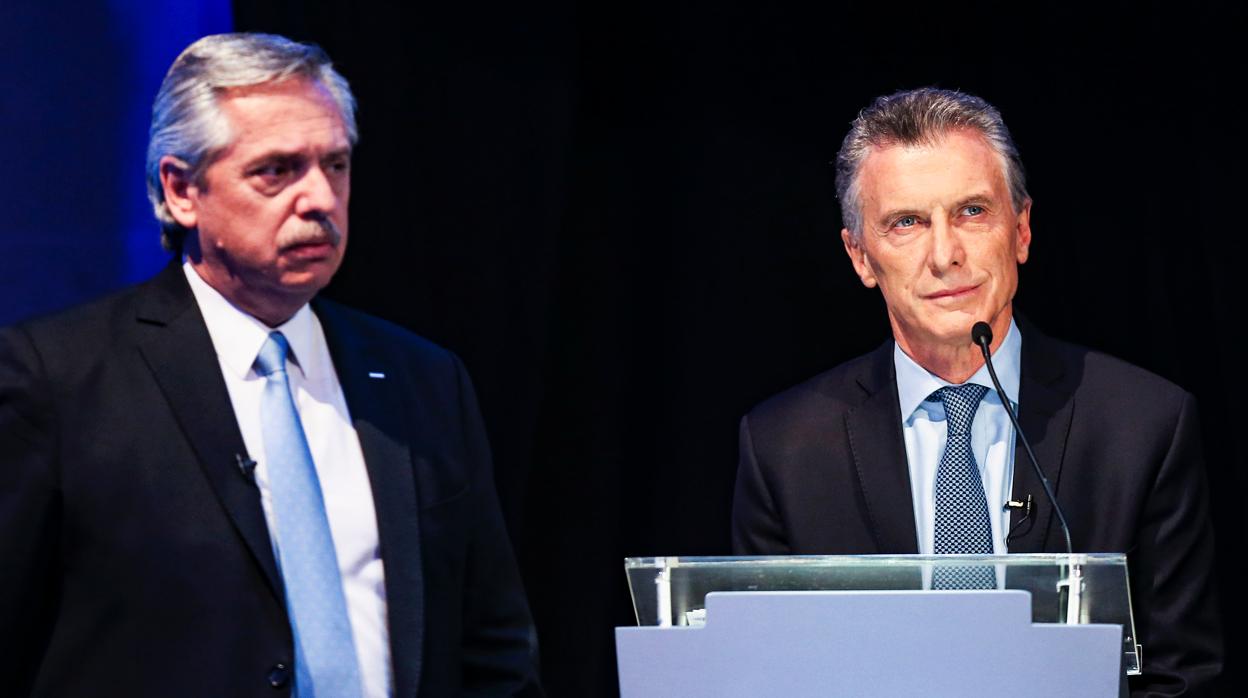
(992, 437)
(345, 487)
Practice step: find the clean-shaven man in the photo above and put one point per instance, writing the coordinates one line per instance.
(909, 449)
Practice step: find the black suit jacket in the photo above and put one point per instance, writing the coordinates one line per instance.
(136, 558)
(823, 470)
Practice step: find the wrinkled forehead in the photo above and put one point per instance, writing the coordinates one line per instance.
(290, 114)
(954, 162)
(292, 85)
(956, 138)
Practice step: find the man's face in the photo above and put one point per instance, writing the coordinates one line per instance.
(271, 210)
(941, 239)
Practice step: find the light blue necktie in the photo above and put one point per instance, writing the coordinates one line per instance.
(325, 659)
(962, 526)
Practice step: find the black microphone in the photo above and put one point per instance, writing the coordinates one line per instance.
(981, 335)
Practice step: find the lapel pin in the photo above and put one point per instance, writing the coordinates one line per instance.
(376, 374)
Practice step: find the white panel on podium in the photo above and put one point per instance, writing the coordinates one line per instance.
(870, 643)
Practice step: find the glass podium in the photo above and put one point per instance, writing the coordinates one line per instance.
(1066, 590)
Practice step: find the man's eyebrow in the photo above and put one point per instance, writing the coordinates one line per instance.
(981, 197)
(893, 214)
(292, 157)
(270, 156)
(976, 198)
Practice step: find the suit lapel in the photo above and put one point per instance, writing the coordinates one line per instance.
(373, 386)
(1045, 411)
(178, 350)
(878, 447)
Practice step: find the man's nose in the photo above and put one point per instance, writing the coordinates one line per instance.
(946, 244)
(317, 194)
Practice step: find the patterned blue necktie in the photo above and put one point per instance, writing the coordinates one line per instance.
(325, 659)
(962, 526)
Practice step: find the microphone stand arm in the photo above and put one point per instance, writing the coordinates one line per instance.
(1070, 590)
(1071, 586)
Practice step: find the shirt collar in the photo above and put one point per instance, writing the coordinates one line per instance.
(237, 336)
(915, 383)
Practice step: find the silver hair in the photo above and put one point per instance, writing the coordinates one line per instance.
(920, 117)
(187, 121)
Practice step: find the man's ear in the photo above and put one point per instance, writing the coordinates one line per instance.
(858, 257)
(1023, 242)
(181, 192)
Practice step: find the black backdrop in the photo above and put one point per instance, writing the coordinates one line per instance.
(621, 216)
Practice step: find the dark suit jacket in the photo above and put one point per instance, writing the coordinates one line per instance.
(823, 471)
(136, 558)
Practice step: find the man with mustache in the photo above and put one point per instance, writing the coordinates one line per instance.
(909, 449)
(215, 484)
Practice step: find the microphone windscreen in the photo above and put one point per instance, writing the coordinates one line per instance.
(981, 334)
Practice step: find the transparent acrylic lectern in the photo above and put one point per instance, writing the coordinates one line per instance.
(781, 624)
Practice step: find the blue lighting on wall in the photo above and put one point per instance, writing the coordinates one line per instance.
(76, 88)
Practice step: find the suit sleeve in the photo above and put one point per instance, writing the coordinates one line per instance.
(29, 506)
(1172, 574)
(757, 528)
(499, 641)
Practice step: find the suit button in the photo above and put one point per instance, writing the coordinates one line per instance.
(279, 675)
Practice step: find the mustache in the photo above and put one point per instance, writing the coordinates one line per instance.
(314, 232)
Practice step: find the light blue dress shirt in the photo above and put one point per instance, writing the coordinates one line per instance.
(992, 436)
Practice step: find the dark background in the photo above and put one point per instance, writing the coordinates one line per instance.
(622, 216)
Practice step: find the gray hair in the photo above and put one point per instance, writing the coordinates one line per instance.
(187, 121)
(921, 117)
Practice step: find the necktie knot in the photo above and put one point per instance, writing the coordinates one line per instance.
(272, 356)
(961, 402)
